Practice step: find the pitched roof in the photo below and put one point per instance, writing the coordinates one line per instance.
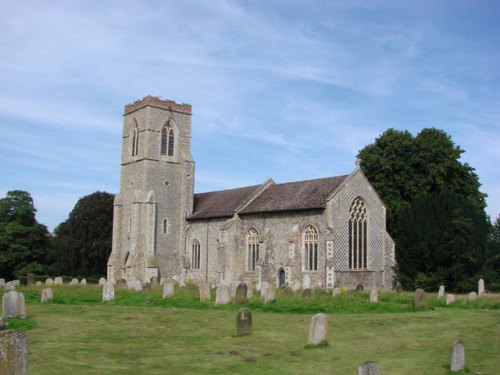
(291, 196)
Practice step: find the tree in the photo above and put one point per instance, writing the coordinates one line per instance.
(491, 272)
(23, 241)
(83, 242)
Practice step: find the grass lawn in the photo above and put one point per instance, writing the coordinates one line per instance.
(140, 333)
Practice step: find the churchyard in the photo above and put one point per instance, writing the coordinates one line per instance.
(144, 333)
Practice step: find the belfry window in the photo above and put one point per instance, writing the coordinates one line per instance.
(168, 140)
(358, 235)
(135, 140)
(165, 226)
(252, 249)
(310, 248)
(195, 255)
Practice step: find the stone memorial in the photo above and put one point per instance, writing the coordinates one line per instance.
(368, 368)
(146, 287)
(83, 282)
(441, 292)
(47, 295)
(318, 329)
(135, 285)
(336, 291)
(306, 294)
(74, 282)
(269, 294)
(30, 279)
(154, 282)
(419, 298)
(306, 283)
(168, 288)
(222, 295)
(49, 282)
(108, 292)
(13, 304)
(10, 286)
(480, 287)
(457, 356)
(472, 296)
(450, 298)
(241, 293)
(243, 322)
(121, 283)
(263, 286)
(373, 296)
(58, 280)
(38, 283)
(399, 288)
(249, 291)
(102, 281)
(296, 285)
(13, 353)
(204, 292)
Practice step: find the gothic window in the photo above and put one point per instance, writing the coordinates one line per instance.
(195, 255)
(168, 140)
(135, 139)
(165, 226)
(358, 239)
(252, 249)
(310, 248)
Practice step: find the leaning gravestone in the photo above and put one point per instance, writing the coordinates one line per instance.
(368, 368)
(47, 295)
(30, 279)
(457, 356)
(108, 292)
(419, 298)
(222, 295)
(441, 291)
(243, 322)
(13, 304)
(269, 294)
(13, 353)
(480, 287)
(102, 281)
(373, 296)
(306, 294)
(450, 298)
(318, 329)
(168, 289)
(472, 296)
(74, 282)
(58, 280)
(204, 292)
(241, 293)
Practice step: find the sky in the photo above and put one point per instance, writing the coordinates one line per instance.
(289, 90)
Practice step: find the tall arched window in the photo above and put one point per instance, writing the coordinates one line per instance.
(165, 226)
(358, 235)
(168, 140)
(195, 255)
(252, 249)
(135, 139)
(311, 248)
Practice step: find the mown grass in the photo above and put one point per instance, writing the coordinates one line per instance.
(140, 333)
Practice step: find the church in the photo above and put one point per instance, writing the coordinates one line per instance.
(328, 232)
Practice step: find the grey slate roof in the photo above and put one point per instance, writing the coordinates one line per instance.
(291, 196)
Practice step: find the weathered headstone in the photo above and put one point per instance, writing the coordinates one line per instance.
(318, 329)
(249, 291)
(269, 294)
(373, 296)
(480, 287)
(102, 281)
(204, 292)
(74, 282)
(83, 282)
(241, 293)
(154, 282)
(121, 283)
(47, 295)
(10, 286)
(368, 368)
(13, 304)
(222, 295)
(243, 322)
(58, 280)
(399, 288)
(13, 353)
(135, 284)
(263, 286)
(30, 279)
(296, 285)
(306, 294)
(49, 282)
(472, 296)
(336, 292)
(359, 287)
(38, 283)
(450, 298)
(419, 298)
(108, 292)
(146, 287)
(441, 292)
(168, 289)
(457, 356)
(306, 283)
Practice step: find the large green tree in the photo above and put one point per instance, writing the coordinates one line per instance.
(491, 271)
(23, 241)
(83, 242)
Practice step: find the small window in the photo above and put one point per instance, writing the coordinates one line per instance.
(165, 226)
(310, 248)
(167, 140)
(195, 255)
(135, 139)
(252, 249)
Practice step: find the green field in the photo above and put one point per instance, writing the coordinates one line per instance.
(140, 333)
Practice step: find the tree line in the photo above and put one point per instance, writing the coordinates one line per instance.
(435, 213)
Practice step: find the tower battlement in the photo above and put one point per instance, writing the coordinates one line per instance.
(155, 101)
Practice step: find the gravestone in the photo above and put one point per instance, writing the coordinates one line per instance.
(30, 279)
(49, 282)
(306, 283)
(102, 281)
(10, 286)
(249, 291)
(285, 290)
(269, 294)
(168, 289)
(2, 283)
(368, 368)
(13, 353)
(83, 282)
(457, 356)
(373, 296)
(472, 296)
(121, 283)
(204, 292)
(13, 304)
(441, 291)
(336, 291)
(146, 287)
(38, 283)
(318, 329)
(263, 287)
(154, 282)
(243, 322)
(47, 295)
(450, 298)
(419, 298)
(296, 285)
(135, 285)
(58, 280)
(108, 292)
(74, 282)
(241, 293)
(222, 295)
(480, 287)
(359, 287)
(306, 294)
(399, 288)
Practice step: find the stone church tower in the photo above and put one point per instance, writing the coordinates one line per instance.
(156, 191)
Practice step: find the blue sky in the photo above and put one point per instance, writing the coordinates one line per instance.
(285, 89)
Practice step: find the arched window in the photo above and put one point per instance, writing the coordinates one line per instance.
(311, 248)
(168, 140)
(135, 139)
(195, 255)
(252, 249)
(358, 235)
(165, 226)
